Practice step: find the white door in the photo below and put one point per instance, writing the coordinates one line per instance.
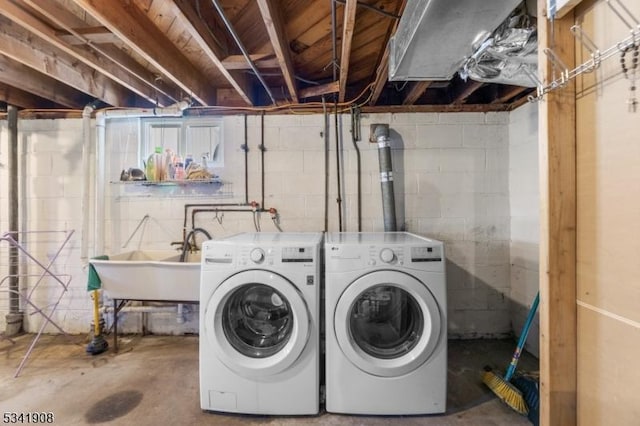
(387, 323)
(257, 322)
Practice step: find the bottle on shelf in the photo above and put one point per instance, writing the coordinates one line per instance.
(187, 161)
(169, 162)
(151, 167)
(178, 168)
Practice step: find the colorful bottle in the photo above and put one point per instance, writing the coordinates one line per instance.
(151, 168)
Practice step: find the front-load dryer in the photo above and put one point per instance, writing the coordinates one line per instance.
(259, 315)
(386, 324)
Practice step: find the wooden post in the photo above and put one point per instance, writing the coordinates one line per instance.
(557, 144)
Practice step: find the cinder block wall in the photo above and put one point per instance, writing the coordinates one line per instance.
(451, 183)
(524, 196)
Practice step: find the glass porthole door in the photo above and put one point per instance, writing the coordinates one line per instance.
(387, 323)
(257, 322)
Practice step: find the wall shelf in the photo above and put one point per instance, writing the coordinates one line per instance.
(209, 188)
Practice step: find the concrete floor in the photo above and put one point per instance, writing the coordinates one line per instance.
(154, 380)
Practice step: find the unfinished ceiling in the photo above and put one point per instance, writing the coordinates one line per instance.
(263, 54)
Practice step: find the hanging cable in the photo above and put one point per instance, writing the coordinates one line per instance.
(326, 165)
(245, 148)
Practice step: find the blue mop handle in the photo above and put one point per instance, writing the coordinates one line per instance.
(523, 338)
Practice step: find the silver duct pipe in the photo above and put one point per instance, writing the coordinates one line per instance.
(381, 134)
(14, 317)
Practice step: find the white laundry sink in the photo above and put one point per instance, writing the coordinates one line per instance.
(150, 275)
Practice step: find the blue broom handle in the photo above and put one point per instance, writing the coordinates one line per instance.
(523, 338)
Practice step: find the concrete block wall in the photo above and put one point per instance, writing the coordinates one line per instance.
(4, 216)
(50, 182)
(451, 182)
(524, 197)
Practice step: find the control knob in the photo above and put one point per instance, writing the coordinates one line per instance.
(387, 255)
(256, 255)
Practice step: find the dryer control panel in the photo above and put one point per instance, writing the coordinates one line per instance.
(216, 256)
(426, 254)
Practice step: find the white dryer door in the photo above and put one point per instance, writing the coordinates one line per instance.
(257, 322)
(387, 323)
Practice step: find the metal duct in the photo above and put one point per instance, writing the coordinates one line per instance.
(508, 56)
(381, 133)
(435, 37)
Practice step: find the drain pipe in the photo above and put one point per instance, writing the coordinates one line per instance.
(86, 184)
(14, 318)
(381, 134)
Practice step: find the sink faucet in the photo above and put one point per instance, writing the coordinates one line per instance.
(186, 246)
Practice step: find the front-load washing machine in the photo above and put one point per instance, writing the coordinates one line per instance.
(386, 324)
(259, 314)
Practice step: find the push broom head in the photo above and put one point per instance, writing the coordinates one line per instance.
(505, 391)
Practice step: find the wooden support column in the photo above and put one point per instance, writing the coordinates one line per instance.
(557, 145)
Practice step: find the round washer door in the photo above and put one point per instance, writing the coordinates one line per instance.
(387, 323)
(257, 322)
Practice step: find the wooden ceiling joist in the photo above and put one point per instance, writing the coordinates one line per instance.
(239, 62)
(416, 90)
(94, 35)
(14, 96)
(17, 75)
(322, 89)
(469, 88)
(192, 23)
(348, 26)
(382, 70)
(507, 93)
(48, 34)
(135, 29)
(277, 33)
(33, 52)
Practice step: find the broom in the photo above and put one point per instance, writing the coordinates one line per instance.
(501, 386)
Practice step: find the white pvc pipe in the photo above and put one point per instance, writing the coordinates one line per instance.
(174, 110)
(86, 174)
(144, 309)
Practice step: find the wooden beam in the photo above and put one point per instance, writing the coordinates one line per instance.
(382, 70)
(192, 23)
(274, 23)
(320, 90)
(99, 35)
(19, 44)
(468, 89)
(416, 90)
(134, 28)
(23, 99)
(507, 92)
(565, 6)
(89, 58)
(557, 157)
(31, 81)
(239, 62)
(348, 26)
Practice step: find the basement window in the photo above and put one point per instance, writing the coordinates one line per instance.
(200, 138)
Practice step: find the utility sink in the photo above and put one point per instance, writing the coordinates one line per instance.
(150, 275)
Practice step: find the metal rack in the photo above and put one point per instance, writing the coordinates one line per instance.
(33, 255)
(597, 56)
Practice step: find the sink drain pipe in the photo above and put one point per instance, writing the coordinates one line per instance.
(381, 134)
